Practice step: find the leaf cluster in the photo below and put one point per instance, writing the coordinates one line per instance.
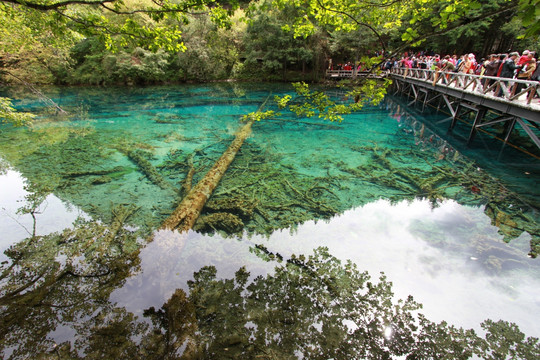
(309, 103)
(8, 114)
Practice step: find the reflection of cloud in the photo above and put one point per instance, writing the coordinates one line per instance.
(171, 258)
(443, 278)
(377, 237)
(54, 215)
(159, 276)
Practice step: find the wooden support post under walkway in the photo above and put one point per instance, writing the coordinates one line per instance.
(480, 113)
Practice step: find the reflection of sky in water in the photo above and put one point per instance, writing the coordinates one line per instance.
(52, 215)
(450, 280)
(446, 275)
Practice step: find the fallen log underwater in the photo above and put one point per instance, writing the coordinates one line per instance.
(187, 212)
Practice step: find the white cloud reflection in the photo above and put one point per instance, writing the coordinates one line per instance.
(442, 256)
(425, 252)
(53, 214)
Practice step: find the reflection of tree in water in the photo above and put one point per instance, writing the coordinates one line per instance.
(63, 279)
(318, 308)
(314, 307)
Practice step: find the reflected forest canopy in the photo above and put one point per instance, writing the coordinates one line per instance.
(312, 307)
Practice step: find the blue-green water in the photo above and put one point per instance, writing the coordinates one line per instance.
(386, 188)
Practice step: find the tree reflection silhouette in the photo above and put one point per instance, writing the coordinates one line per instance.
(319, 308)
(312, 307)
(62, 280)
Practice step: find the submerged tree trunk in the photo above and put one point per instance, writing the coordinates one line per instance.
(184, 216)
(48, 101)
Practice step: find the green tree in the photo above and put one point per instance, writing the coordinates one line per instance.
(211, 52)
(29, 49)
(273, 54)
(482, 29)
(149, 24)
(95, 65)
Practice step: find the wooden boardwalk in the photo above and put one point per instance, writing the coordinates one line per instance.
(464, 93)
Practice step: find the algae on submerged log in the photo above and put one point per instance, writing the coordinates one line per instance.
(137, 156)
(184, 216)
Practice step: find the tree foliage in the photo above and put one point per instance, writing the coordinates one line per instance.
(211, 51)
(95, 66)
(278, 51)
(8, 114)
(315, 307)
(119, 23)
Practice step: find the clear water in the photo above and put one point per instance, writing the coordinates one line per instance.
(387, 189)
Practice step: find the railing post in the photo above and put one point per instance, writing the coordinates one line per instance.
(498, 88)
(513, 92)
(532, 92)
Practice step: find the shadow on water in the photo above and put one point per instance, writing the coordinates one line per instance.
(105, 287)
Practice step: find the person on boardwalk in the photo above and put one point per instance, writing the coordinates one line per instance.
(510, 66)
(445, 66)
(502, 58)
(508, 69)
(529, 67)
(536, 74)
(407, 64)
(491, 66)
(524, 57)
(469, 64)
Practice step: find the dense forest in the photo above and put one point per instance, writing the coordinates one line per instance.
(136, 42)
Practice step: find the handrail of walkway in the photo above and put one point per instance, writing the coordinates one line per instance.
(345, 73)
(340, 73)
(509, 89)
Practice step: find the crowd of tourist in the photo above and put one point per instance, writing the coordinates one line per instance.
(508, 65)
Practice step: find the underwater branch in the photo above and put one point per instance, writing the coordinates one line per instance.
(187, 212)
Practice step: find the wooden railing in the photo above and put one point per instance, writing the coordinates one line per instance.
(340, 73)
(487, 85)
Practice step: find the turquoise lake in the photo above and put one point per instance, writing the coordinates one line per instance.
(85, 273)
